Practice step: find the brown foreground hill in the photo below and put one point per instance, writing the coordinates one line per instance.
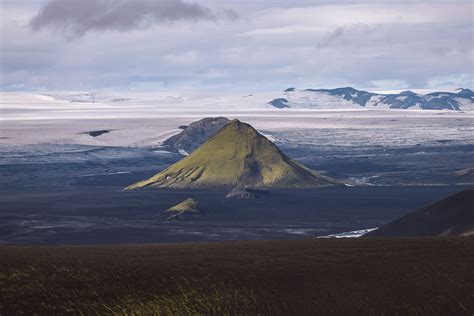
(365, 276)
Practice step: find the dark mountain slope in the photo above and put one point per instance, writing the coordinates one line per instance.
(453, 215)
(196, 134)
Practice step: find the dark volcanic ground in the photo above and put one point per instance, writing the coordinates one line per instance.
(72, 194)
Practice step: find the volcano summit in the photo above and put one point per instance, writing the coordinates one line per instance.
(237, 155)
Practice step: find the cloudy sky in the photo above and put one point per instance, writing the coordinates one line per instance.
(235, 45)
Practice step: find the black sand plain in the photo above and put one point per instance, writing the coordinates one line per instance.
(72, 194)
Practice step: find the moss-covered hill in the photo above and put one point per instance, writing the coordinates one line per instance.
(236, 155)
(188, 205)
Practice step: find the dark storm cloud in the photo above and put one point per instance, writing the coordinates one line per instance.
(79, 17)
(332, 36)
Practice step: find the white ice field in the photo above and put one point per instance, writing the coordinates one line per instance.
(146, 119)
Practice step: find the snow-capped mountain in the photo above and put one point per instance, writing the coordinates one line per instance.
(353, 98)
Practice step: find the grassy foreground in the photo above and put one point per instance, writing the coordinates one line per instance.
(359, 276)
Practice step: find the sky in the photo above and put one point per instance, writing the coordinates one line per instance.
(231, 45)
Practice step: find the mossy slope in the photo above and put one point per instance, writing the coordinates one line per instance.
(236, 155)
(188, 205)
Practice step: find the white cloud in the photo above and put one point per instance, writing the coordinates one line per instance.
(273, 45)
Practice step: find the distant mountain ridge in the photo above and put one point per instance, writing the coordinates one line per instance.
(350, 97)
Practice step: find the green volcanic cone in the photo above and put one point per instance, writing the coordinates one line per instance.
(236, 155)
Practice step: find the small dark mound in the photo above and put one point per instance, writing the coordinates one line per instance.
(97, 133)
(279, 103)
